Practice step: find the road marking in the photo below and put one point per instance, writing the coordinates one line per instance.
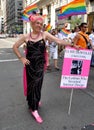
(9, 60)
(6, 40)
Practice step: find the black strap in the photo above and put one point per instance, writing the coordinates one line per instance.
(84, 38)
(87, 43)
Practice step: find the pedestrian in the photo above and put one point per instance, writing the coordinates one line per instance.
(60, 47)
(82, 39)
(73, 32)
(48, 58)
(54, 50)
(91, 37)
(35, 61)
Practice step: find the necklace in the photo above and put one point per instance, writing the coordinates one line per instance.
(35, 37)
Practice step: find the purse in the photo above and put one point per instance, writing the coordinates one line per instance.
(88, 44)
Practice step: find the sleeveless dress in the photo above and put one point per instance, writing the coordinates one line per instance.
(35, 72)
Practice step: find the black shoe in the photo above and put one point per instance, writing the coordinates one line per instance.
(56, 68)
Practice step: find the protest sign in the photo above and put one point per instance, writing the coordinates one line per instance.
(75, 68)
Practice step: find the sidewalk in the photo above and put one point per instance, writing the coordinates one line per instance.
(7, 42)
(11, 39)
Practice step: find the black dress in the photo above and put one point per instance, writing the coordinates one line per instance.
(35, 72)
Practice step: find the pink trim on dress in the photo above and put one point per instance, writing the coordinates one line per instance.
(24, 81)
(24, 72)
(46, 60)
(25, 78)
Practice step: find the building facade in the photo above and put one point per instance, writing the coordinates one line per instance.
(90, 16)
(1, 18)
(1, 25)
(13, 23)
(11, 12)
(52, 7)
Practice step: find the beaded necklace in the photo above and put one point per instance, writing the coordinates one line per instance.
(36, 36)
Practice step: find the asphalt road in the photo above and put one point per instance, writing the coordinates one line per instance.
(14, 113)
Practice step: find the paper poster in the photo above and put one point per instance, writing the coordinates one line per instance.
(75, 68)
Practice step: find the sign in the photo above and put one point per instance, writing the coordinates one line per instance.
(75, 69)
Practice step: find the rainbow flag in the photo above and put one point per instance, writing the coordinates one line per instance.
(76, 7)
(65, 32)
(30, 9)
(48, 28)
(25, 17)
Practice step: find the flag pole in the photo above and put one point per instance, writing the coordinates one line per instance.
(70, 102)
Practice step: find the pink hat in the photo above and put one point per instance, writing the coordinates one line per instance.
(35, 17)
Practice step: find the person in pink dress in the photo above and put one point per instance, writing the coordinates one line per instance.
(34, 61)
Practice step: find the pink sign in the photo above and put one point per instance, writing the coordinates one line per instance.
(75, 68)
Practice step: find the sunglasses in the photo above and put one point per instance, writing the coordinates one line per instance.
(84, 26)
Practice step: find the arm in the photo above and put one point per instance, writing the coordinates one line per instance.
(55, 39)
(90, 41)
(75, 40)
(17, 52)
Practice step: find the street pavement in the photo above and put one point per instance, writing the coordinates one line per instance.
(14, 113)
(7, 42)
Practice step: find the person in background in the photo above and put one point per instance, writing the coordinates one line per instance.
(60, 48)
(54, 50)
(91, 37)
(82, 38)
(73, 33)
(66, 28)
(47, 49)
(35, 61)
(44, 27)
(48, 56)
